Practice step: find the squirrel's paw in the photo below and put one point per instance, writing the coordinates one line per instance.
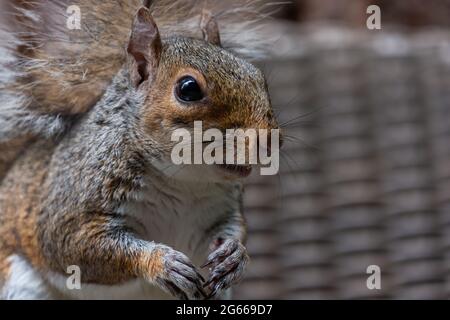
(179, 277)
(227, 264)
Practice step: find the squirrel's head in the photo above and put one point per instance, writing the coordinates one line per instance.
(185, 80)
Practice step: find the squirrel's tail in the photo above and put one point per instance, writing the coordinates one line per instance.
(64, 53)
(57, 57)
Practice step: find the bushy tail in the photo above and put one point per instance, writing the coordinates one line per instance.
(64, 70)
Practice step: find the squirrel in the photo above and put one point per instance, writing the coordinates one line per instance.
(87, 176)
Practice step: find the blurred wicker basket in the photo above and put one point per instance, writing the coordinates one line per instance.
(365, 176)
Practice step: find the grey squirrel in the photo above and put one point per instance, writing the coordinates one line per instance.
(88, 179)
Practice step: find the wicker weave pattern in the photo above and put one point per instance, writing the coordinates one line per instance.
(366, 180)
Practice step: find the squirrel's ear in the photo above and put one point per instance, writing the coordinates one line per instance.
(210, 28)
(144, 47)
(147, 3)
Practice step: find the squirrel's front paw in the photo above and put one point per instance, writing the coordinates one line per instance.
(227, 264)
(177, 275)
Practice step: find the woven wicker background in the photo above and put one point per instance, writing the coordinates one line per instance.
(365, 175)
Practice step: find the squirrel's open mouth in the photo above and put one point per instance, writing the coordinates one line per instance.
(240, 170)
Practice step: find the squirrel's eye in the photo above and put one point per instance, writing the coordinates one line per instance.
(188, 90)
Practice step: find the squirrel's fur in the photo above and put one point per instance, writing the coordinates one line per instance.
(50, 73)
(89, 178)
(66, 72)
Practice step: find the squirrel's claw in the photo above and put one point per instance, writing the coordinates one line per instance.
(170, 287)
(180, 278)
(228, 263)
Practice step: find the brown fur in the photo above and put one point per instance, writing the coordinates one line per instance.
(248, 107)
(60, 201)
(65, 72)
(24, 229)
(18, 219)
(10, 151)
